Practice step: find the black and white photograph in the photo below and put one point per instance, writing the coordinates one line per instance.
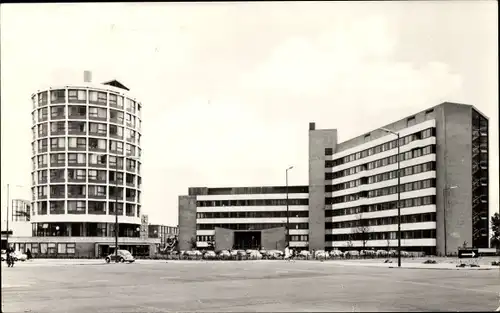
(250, 156)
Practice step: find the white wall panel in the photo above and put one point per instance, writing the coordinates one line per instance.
(382, 184)
(205, 232)
(77, 218)
(394, 197)
(253, 196)
(255, 220)
(267, 208)
(386, 213)
(385, 228)
(379, 170)
(384, 139)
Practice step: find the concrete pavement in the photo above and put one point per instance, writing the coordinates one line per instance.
(157, 286)
(415, 263)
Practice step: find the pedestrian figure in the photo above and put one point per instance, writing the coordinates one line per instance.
(28, 254)
(287, 253)
(10, 257)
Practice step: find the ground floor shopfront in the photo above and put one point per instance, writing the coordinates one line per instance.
(83, 247)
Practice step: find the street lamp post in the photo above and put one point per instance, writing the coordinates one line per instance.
(287, 239)
(399, 193)
(116, 198)
(445, 210)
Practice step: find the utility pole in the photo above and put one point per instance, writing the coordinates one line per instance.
(287, 239)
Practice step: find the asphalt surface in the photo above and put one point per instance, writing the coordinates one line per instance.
(258, 286)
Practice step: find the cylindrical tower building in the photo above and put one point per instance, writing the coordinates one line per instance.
(86, 161)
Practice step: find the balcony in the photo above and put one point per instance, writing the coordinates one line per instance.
(59, 179)
(77, 115)
(57, 164)
(130, 198)
(97, 196)
(42, 149)
(96, 117)
(76, 180)
(76, 164)
(58, 132)
(43, 133)
(115, 166)
(58, 195)
(130, 183)
(77, 128)
(58, 114)
(42, 197)
(42, 181)
(97, 180)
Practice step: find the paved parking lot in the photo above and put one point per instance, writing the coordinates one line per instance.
(244, 286)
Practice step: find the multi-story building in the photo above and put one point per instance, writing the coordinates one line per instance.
(21, 210)
(86, 168)
(243, 217)
(352, 198)
(163, 232)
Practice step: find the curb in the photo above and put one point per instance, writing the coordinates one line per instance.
(445, 268)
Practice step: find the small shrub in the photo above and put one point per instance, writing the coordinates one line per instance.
(387, 261)
(495, 263)
(461, 265)
(474, 265)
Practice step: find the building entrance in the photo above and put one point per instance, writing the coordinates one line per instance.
(247, 240)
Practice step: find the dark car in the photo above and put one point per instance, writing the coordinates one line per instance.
(123, 256)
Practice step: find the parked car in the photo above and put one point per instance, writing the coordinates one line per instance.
(224, 255)
(19, 256)
(210, 255)
(123, 256)
(4, 255)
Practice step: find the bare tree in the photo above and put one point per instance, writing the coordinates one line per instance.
(362, 229)
(193, 243)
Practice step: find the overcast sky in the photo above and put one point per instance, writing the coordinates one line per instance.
(229, 88)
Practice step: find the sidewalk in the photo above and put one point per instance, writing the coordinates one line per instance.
(410, 265)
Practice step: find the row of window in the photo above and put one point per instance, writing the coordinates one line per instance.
(80, 175)
(247, 190)
(93, 207)
(84, 230)
(80, 191)
(391, 205)
(80, 143)
(268, 214)
(80, 128)
(205, 238)
(430, 132)
(414, 153)
(80, 96)
(256, 226)
(252, 202)
(46, 248)
(211, 238)
(364, 224)
(407, 171)
(385, 191)
(391, 235)
(299, 238)
(82, 112)
(80, 159)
